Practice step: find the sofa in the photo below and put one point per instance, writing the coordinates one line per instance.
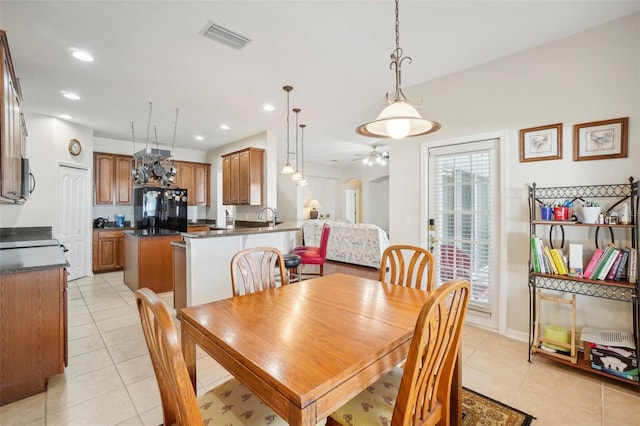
(358, 244)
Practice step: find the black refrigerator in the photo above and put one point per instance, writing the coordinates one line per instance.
(160, 208)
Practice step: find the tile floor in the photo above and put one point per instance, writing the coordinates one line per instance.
(110, 380)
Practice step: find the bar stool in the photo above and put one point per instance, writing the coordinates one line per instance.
(292, 263)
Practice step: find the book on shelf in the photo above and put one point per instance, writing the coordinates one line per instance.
(598, 265)
(549, 258)
(534, 255)
(621, 266)
(540, 254)
(558, 259)
(614, 266)
(597, 254)
(606, 265)
(575, 260)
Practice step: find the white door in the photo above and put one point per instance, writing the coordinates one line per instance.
(351, 213)
(71, 219)
(463, 208)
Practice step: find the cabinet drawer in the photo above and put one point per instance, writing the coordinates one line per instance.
(109, 234)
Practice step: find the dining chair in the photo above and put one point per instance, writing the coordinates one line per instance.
(408, 266)
(420, 393)
(311, 255)
(254, 269)
(228, 403)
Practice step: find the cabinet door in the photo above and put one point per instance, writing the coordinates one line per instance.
(123, 181)
(104, 178)
(226, 180)
(187, 179)
(120, 252)
(234, 191)
(11, 136)
(244, 178)
(108, 250)
(201, 185)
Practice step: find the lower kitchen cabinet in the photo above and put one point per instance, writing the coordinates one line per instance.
(33, 331)
(108, 251)
(148, 262)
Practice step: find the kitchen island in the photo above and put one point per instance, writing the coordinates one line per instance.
(206, 258)
(147, 259)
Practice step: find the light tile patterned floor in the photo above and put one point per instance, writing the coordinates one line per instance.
(110, 380)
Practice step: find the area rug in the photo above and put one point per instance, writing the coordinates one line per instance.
(481, 410)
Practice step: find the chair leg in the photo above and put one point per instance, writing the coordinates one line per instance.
(321, 270)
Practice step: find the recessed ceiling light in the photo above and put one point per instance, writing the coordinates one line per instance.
(82, 55)
(268, 107)
(224, 127)
(65, 116)
(199, 138)
(70, 95)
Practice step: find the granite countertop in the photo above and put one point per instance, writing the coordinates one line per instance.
(151, 232)
(242, 230)
(25, 259)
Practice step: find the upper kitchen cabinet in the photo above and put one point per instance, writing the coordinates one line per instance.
(196, 179)
(113, 181)
(12, 129)
(242, 177)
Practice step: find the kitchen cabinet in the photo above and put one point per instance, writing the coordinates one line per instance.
(108, 250)
(12, 129)
(33, 331)
(112, 178)
(242, 177)
(196, 179)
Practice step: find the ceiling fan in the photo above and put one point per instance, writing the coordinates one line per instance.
(373, 158)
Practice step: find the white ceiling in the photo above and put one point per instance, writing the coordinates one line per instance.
(334, 53)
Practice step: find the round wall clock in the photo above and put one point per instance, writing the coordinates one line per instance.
(74, 147)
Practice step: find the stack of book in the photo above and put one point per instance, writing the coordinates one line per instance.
(608, 263)
(611, 263)
(546, 260)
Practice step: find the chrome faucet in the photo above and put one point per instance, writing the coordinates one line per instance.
(274, 214)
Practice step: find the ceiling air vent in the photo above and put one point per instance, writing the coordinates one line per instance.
(224, 35)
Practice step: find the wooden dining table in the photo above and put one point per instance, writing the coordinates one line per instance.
(307, 348)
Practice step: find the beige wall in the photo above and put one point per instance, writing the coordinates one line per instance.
(588, 77)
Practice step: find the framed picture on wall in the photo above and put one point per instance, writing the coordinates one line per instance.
(541, 143)
(600, 140)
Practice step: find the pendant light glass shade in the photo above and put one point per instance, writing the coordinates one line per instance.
(287, 169)
(400, 118)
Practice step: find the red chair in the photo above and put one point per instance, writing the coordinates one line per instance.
(310, 255)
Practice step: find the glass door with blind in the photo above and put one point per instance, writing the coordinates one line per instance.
(462, 211)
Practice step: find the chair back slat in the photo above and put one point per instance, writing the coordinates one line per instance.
(324, 240)
(406, 265)
(255, 269)
(179, 404)
(425, 387)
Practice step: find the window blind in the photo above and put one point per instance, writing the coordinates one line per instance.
(462, 182)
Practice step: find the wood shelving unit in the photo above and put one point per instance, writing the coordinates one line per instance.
(622, 291)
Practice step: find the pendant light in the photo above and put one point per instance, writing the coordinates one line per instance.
(303, 181)
(296, 176)
(400, 118)
(287, 169)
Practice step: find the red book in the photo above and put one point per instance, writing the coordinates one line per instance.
(592, 263)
